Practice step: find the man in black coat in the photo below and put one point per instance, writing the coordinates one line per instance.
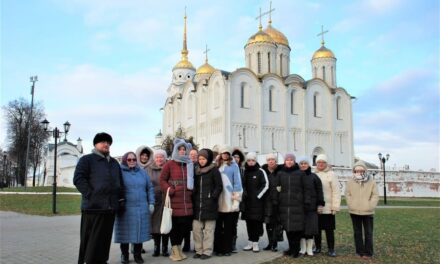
(99, 179)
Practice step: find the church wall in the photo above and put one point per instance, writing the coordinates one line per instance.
(251, 53)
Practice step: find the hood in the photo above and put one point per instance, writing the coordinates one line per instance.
(239, 152)
(150, 159)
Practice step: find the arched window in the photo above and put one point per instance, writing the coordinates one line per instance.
(281, 64)
(244, 95)
(332, 76)
(323, 73)
(316, 102)
(268, 62)
(338, 108)
(270, 99)
(242, 91)
(250, 61)
(292, 102)
(259, 62)
(244, 137)
(314, 72)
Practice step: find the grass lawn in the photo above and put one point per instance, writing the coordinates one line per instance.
(400, 236)
(38, 189)
(40, 204)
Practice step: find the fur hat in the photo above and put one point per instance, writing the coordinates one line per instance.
(303, 159)
(271, 156)
(158, 152)
(207, 154)
(102, 137)
(251, 156)
(322, 157)
(225, 149)
(289, 156)
(360, 163)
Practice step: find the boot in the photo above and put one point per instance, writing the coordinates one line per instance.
(182, 256)
(309, 247)
(274, 246)
(124, 253)
(302, 243)
(138, 258)
(249, 246)
(137, 248)
(255, 247)
(124, 259)
(175, 255)
(234, 244)
(156, 251)
(268, 247)
(165, 245)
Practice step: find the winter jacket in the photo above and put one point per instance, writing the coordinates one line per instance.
(330, 188)
(362, 197)
(99, 180)
(230, 196)
(207, 188)
(271, 197)
(173, 176)
(255, 185)
(316, 194)
(154, 172)
(293, 198)
(133, 226)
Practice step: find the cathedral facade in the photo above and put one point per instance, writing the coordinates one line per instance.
(262, 107)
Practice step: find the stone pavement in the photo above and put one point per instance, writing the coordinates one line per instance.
(26, 239)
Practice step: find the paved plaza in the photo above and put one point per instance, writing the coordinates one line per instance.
(27, 239)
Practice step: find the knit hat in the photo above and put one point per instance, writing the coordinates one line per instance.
(360, 163)
(251, 156)
(225, 149)
(158, 152)
(289, 156)
(303, 159)
(322, 157)
(207, 154)
(102, 137)
(271, 156)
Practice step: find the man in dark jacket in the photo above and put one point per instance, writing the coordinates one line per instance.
(99, 179)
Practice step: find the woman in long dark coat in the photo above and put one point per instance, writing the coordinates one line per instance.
(154, 170)
(255, 185)
(293, 197)
(316, 203)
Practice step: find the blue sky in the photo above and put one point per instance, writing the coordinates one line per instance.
(106, 65)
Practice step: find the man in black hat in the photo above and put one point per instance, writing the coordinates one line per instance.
(99, 179)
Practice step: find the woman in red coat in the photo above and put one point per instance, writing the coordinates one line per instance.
(178, 175)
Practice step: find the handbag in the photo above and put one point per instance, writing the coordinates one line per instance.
(166, 223)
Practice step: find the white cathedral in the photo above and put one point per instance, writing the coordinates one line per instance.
(262, 107)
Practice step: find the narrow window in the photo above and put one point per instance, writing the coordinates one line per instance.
(292, 102)
(314, 72)
(268, 61)
(338, 108)
(294, 140)
(340, 143)
(323, 73)
(259, 62)
(250, 61)
(270, 99)
(244, 137)
(281, 64)
(332, 76)
(273, 141)
(242, 95)
(315, 99)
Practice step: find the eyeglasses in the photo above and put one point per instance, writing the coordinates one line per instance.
(130, 160)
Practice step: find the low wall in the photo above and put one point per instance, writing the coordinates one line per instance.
(399, 183)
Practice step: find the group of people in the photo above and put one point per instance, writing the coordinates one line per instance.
(208, 191)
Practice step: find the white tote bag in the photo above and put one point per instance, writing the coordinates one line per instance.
(166, 224)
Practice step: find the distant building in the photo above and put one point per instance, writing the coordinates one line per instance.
(68, 155)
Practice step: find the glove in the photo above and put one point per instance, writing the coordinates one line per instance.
(320, 209)
(121, 209)
(151, 207)
(279, 188)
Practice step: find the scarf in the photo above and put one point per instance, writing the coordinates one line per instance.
(200, 171)
(189, 168)
(360, 178)
(95, 151)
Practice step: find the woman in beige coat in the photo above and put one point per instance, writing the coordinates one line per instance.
(362, 197)
(332, 198)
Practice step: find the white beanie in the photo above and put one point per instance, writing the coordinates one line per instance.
(303, 159)
(271, 156)
(160, 152)
(321, 157)
(360, 163)
(251, 156)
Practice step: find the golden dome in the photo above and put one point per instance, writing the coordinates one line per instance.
(276, 35)
(323, 52)
(184, 64)
(260, 37)
(205, 69)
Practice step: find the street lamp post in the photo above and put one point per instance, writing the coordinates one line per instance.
(33, 79)
(56, 135)
(383, 160)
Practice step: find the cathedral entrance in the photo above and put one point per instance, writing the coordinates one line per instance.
(315, 153)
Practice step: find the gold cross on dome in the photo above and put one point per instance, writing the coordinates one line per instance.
(206, 53)
(261, 15)
(322, 34)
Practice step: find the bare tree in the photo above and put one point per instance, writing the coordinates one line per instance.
(168, 144)
(17, 118)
